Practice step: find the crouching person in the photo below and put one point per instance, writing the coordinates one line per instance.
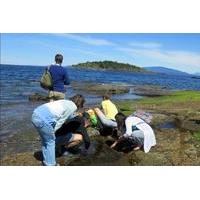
(72, 134)
(107, 117)
(48, 118)
(136, 130)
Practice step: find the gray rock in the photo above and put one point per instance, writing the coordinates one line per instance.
(100, 89)
(38, 97)
(150, 91)
(140, 158)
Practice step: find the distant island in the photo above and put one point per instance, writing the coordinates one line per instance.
(198, 74)
(165, 70)
(110, 65)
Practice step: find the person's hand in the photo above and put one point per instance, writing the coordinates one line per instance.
(79, 114)
(113, 145)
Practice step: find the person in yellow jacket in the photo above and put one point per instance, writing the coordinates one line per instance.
(107, 117)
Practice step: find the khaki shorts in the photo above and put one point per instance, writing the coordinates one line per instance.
(53, 95)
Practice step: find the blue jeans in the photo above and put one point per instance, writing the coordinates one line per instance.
(47, 135)
(64, 139)
(138, 137)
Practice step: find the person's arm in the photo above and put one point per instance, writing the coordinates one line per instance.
(104, 108)
(128, 124)
(86, 138)
(66, 78)
(79, 122)
(117, 141)
(68, 114)
(114, 144)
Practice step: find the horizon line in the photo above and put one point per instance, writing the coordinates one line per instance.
(32, 65)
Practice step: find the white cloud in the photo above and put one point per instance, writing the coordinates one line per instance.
(87, 39)
(142, 52)
(180, 60)
(145, 44)
(87, 52)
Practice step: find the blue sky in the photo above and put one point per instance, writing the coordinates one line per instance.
(176, 51)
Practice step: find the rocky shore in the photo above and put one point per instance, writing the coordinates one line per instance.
(177, 127)
(142, 90)
(112, 89)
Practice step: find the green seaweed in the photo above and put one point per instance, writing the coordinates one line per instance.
(168, 100)
(196, 136)
(180, 96)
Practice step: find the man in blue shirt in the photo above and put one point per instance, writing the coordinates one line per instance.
(60, 79)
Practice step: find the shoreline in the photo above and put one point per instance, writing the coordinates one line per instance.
(176, 123)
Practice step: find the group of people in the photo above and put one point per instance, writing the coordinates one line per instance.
(62, 126)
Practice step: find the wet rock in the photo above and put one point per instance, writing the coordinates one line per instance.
(100, 89)
(159, 118)
(189, 124)
(187, 137)
(38, 97)
(92, 132)
(163, 121)
(142, 90)
(20, 159)
(191, 152)
(103, 155)
(148, 159)
(150, 91)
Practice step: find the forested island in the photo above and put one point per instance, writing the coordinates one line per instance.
(110, 65)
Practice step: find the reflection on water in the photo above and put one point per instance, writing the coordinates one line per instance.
(167, 125)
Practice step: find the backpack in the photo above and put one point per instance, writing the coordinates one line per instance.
(92, 116)
(46, 81)
(145, 116)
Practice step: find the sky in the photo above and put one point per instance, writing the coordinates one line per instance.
(177, 51)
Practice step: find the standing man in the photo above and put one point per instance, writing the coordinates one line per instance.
(60, 79)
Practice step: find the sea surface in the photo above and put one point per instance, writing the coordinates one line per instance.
(18, 82)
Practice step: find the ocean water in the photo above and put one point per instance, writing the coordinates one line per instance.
(18, 82)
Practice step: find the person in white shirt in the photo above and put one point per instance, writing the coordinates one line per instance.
(137, 130)
(48, 118)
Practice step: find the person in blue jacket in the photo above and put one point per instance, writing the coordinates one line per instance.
(60, 79)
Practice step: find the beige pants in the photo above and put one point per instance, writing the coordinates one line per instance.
(53, 95)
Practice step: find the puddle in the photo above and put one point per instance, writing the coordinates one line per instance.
(167, 125)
